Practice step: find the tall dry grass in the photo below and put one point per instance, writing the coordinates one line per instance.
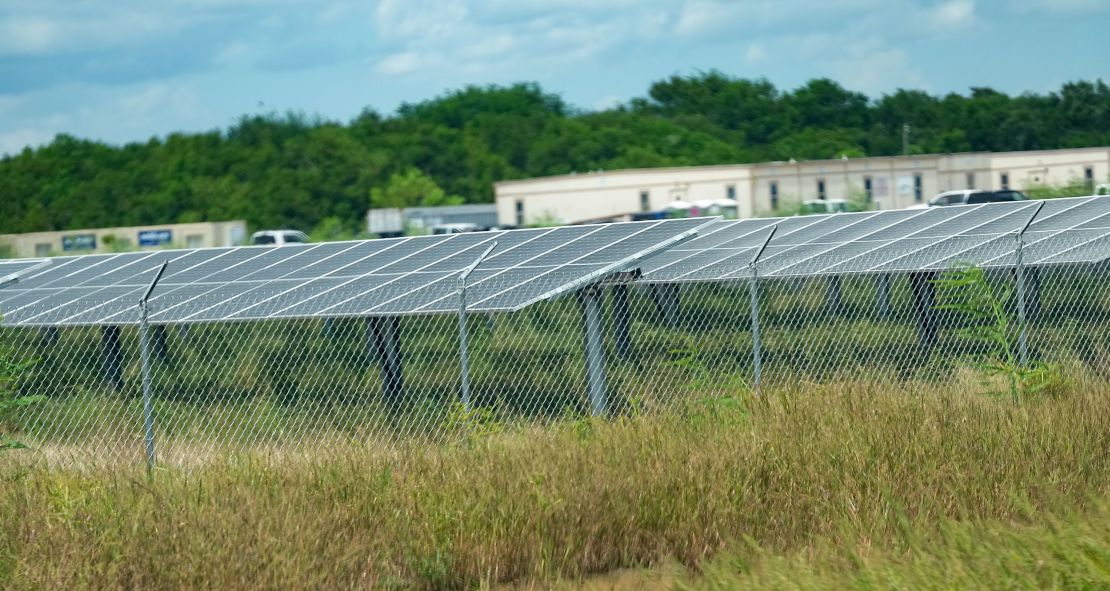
(840, 463)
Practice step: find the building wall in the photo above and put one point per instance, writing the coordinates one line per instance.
(599, 195)
(1027, 169)
(894, 182)
(197, 235)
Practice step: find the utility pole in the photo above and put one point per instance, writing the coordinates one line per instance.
(905, 139)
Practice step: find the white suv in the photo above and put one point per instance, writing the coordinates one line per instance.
(278, 237)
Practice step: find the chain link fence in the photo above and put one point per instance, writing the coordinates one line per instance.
(180, 393)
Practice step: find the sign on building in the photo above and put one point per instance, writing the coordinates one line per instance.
(79, 242)
(155, 237)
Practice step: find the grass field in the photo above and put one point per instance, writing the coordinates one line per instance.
(851, 484)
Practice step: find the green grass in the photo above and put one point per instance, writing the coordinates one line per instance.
(1059, 551)
(855, 483)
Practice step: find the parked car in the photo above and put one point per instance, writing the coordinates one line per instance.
(278, 237)
(975, 197)
(455, 228)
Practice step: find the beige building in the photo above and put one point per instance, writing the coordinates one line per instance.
(891, 182)
(198, 235)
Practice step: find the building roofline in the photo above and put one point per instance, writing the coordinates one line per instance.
(828, 161)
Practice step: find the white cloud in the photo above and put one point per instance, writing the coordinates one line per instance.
(27, 35)
(36, 31)
(236, 52)
(407, 21)
(952, 15)
(1061, 6)
(147, 104)
(13, 142)
(864, 63)
(10, 102)
(608, 102)
(755, 54)
(402, 63)
(700, 16)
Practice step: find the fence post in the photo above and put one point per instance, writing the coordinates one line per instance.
(464, 353)
(144, 354)
(1019, 280)
(753, 291)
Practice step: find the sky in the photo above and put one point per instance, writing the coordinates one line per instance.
(125, 70)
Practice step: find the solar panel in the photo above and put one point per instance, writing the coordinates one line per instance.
(1065, 231)
(390, 277)
(12, 270)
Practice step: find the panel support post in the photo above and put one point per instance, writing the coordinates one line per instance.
(1033, 292)
(667, 302)
(384, 340)
(757, 346)
(590, 299)
(144, 355)
(148, 401)
(753, 292)
(882, 294)
(925, 299)
(622, 330)
(834, 295)
(464, 351)
(50, 335)
(161, 343)
(1019, 280)
(112, 345)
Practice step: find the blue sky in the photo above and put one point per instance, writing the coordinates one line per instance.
(124, 70)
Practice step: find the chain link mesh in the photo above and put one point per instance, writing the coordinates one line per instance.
(617, 347)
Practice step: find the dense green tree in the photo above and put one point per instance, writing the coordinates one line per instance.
(300, 171)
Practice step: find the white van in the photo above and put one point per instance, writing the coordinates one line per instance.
(455, 228)
(278, 237)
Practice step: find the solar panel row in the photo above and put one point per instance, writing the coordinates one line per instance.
(1064, 231)
(417, 275)
(359, 278)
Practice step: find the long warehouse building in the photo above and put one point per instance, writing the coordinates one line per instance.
(889, 182)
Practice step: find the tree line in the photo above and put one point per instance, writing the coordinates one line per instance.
(305, 172)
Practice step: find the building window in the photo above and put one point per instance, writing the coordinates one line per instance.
(730, 192)
(194, 241)
(1004, 180)
(971, 180)
(1089, 177)
(520, 212)
(645, 201)
(43, 249)
(917, 192)
(867, 189)
(820, 188)
(774, 194)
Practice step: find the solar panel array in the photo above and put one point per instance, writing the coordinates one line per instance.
(1064, 231)
(388, 277)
